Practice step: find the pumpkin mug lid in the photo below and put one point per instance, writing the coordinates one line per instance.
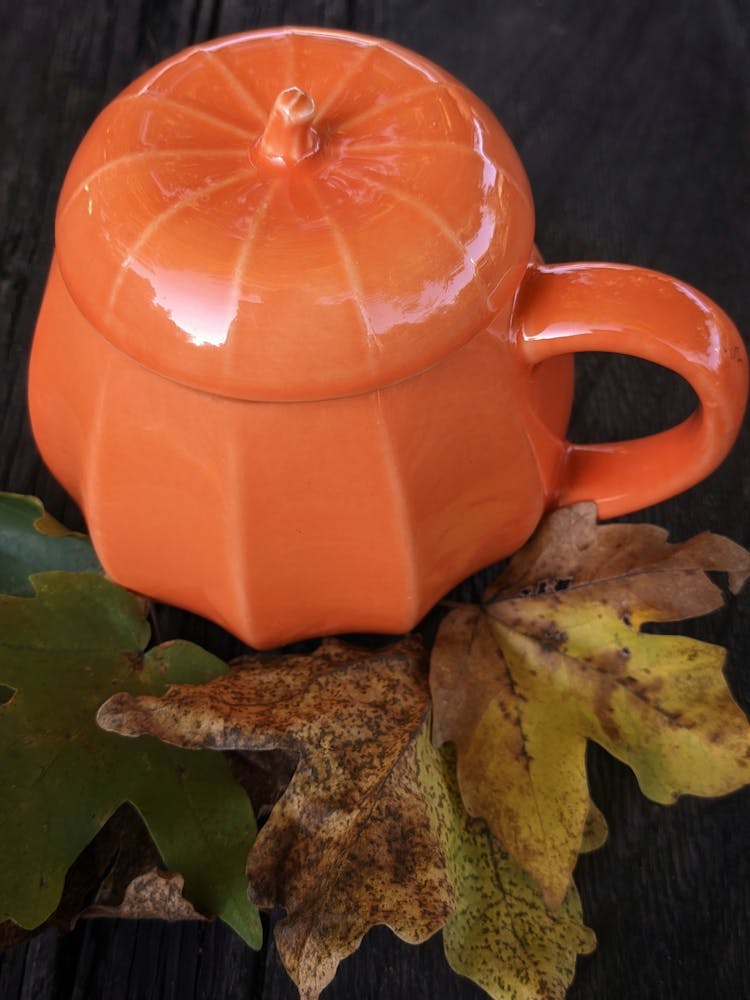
(293, 214)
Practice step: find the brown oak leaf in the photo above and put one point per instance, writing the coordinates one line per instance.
(555, 657)
(349, 844)
(371, 829)
(154, 895)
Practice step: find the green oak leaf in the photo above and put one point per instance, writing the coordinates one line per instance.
(32, 541)
(62, 653)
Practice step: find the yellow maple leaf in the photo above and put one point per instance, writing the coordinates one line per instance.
(555, 656)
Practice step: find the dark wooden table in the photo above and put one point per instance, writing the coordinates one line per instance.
(633, 120)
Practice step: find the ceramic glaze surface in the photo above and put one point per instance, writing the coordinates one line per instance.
(205, 254)
(297, 359)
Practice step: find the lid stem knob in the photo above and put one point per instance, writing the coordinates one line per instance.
(289, 135)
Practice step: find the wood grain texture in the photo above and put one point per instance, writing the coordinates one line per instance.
(633, 121)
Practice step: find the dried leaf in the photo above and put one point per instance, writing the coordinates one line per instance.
(63, 652)
(349, 844)
(32, 541)
(371, 829)
(155, 895)
(555, 657)
(595, 830)
(501, 935)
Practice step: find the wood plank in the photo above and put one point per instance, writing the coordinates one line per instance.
(632, 121)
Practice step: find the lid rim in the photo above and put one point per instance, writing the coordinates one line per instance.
(506, 303)
(147, 326)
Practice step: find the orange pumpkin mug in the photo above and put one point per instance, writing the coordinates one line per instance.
(296, 360)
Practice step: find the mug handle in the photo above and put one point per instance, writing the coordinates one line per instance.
(567, 308)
